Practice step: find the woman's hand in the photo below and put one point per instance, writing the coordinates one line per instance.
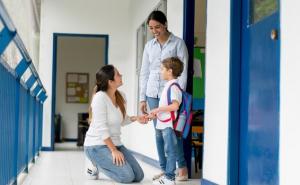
(143, 107)
(143, 119)
(118, 157)
(153, 114)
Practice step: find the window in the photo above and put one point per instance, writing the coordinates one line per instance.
(144, 35)
(261, 9)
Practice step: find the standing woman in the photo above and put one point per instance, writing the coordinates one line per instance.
(163, 45)
(102, 143)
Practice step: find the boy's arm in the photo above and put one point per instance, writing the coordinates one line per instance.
(174, 106)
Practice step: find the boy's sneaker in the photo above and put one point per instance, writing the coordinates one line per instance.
(163, 180)
(155, 177)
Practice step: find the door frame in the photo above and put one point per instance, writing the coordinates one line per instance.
(54, 69)
(188, 37)
(234, 90)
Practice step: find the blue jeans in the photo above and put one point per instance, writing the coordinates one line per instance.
(153, 103)
(170, 149)
(101, 157)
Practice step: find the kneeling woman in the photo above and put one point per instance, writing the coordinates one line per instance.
(102, 142)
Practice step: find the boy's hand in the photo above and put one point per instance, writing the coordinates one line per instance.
(151, 117)
(154, 112)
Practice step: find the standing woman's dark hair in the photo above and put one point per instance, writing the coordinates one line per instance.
(158, 16)
(105, 74)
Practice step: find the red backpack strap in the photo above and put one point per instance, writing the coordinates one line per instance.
(172, 118)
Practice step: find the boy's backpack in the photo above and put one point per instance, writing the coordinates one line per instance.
(181, 123)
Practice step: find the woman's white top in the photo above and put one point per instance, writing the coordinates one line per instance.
(106, 121)
(176, 94)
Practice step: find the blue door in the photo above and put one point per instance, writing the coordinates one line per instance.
(259, 129)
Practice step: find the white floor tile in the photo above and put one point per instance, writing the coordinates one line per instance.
(66, 167)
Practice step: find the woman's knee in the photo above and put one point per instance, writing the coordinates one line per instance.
(139, 176)
(125, 175)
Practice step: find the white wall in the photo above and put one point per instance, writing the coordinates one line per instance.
(22, 14)
(140, 9)
(289, 151)
(216, 91)
(139, 138)
(175, 17)
(97, 17)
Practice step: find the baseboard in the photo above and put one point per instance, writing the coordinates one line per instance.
(69, 139)
(146, 159)
(47, 149)
(207, 182)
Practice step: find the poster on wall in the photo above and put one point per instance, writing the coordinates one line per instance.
(77, 87)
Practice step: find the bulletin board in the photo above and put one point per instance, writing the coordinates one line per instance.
(77, 87)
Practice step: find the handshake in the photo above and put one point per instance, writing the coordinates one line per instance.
(143, 119)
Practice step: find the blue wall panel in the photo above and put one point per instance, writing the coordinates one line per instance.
(20, 113)
(31, 129)
(36, 130)
(41, 126)
(23, 124)
(8, 94)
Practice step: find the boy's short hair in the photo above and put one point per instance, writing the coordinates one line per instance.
(175, 64)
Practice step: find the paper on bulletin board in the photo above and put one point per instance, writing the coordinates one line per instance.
(77, 87)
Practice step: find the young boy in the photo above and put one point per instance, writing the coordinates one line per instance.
(171, 69)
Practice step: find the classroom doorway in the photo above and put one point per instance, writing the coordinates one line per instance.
(76, 59)
(195, 38)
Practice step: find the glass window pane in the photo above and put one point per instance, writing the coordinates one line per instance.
(262, 8)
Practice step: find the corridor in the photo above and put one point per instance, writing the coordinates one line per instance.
(65, 167)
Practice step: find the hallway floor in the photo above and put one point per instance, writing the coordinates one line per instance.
(65, 167)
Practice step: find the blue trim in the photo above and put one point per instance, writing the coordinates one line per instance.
(106, 37)
(47, 149)
(6, 38)
(36, 90)
(27, 128)
(30, 81)
(21, 67)
(234, 92)
(70, 139)
(16, 147)
(54, 69)
(8, 68)
(44, 98)
(41, 95)
(207, 182)
(146, 159)
(188, 37)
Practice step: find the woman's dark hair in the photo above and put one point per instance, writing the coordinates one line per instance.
(105, 74)
(158, 16)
